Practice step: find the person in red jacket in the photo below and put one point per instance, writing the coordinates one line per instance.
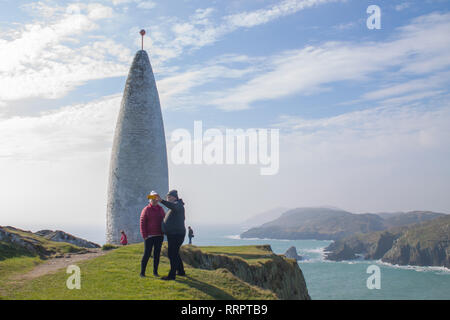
(151, 217)
(123, 238)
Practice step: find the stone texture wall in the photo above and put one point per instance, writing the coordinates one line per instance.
(139, 157)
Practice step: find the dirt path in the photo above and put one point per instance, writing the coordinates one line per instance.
(55, 264)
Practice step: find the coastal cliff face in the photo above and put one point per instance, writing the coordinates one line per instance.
(269, 271)
(422, 244)
(371, 246)
(427, 244)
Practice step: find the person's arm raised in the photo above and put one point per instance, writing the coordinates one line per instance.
(168, 204)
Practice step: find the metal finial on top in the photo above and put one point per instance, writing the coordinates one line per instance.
(142, 32)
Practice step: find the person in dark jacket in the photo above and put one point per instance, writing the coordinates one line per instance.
(151, 219)
(190, 234)
(174, 229)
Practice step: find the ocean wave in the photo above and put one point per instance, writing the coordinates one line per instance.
(319, 250)
(238, 237)
(234, 237)
(440, 269)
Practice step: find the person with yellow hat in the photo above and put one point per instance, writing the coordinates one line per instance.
(150, 224)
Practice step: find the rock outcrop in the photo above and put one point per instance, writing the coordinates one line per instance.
(281, 275)
(422, 244)
(25, 244)
(372, 246)
(344, 252)
(292, 253)
(17, 242)
(61, 236)
(425, 244)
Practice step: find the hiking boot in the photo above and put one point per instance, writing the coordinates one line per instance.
(142, 275)
(181, 274)
(156, 274)
(167, 278)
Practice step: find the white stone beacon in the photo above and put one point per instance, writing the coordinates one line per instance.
(139, 156)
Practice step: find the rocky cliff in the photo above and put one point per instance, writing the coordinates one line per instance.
(266, 270)
(61, 236)
(292, 253)
(17, 242)
(423, 244)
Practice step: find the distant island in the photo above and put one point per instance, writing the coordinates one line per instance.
(404, 238)
(332, 224)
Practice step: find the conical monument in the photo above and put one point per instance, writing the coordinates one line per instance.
(139, 157)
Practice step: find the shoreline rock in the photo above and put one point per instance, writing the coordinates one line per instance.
(292, 253)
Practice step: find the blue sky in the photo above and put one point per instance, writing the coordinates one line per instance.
(364, 114)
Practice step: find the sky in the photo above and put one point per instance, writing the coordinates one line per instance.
(363, 114)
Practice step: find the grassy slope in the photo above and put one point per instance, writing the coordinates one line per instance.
(252, 254)
(115, 276)
(428, 233)
(15, 260)
(8, 250)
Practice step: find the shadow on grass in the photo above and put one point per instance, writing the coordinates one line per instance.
(215, 292)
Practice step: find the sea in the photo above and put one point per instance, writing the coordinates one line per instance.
(339, 280)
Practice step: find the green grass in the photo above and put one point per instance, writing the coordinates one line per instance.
(252, 254)
(109, 246)
(115, 275)
(15, 260)
(8, 250)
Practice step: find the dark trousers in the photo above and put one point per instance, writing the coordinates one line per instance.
(150, 243)
(190, 240)
(174, 243)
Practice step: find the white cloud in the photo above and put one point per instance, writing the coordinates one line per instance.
(146, 5)
(176, 90)
(71, 132)
(120, 2)
(98, 11)
(47, 58)
(402, 6)
(345, 26)
(142, 4)
(418, 48)
(172, 37)
(261, 16)
(437, 80)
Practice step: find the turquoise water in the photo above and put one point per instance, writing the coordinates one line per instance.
(341, 280)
